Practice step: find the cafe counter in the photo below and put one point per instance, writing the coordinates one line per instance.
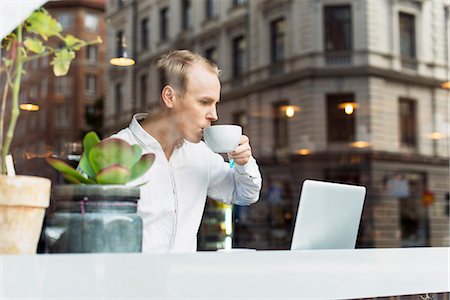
(316, 274)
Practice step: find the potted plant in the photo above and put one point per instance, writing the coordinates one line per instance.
(99, 212)
(25, 198)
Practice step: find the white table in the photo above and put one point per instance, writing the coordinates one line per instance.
(327, 274)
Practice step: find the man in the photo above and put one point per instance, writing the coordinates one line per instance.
(185, 171)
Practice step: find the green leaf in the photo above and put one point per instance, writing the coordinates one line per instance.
(71, 179)
(114, 174)
(137, 154)
(42, 23)
(89, 141)
(34, 45)
(61, 61)
(110, 152)
(72, 42)
(142, 166)
(67, 170)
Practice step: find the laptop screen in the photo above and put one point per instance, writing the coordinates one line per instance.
(328, 216)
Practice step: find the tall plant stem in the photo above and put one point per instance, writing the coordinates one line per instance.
(15, 95)
(2, 117)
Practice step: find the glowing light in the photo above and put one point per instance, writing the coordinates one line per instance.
(228, 221)
(349, 107)
(290, 110)
(446, 85)
(304, 151)
(29, 107)
(360, 144)
(122, 61)
(436, 135)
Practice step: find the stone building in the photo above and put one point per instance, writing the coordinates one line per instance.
(340, 90)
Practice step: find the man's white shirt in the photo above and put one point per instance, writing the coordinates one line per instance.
(173, 197)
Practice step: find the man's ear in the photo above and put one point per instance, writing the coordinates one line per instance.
(168, 96)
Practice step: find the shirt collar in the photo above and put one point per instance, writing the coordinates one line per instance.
(143, 136)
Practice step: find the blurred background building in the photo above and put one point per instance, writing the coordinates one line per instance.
(69, 106)
(339, 90)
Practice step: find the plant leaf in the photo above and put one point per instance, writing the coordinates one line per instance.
(61, 61)
(42, 23)
(142, 166)
(34, 45)
(67, 170)
(72, 42)
(89, 141)
(114, 174)
(110, 152)
(137, 154)
(71, 179)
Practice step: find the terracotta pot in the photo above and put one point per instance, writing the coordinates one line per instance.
(23, 202)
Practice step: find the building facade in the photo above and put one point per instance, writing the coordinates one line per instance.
(339, 90)
(70, 105)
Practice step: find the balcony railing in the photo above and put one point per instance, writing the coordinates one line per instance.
(338, 58)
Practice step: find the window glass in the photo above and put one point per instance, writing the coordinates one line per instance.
(238, 56)
(338, 28)
(277, 40)
(91, 22)
(65, 19)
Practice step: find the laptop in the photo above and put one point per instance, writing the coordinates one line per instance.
(328, 216)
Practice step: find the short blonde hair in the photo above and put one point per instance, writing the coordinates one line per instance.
(176, 66)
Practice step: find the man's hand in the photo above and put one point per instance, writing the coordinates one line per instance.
(242, 153)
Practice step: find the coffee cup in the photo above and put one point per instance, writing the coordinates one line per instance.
(222, 138)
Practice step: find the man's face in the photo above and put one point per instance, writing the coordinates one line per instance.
(196, 108)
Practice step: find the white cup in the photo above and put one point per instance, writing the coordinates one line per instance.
(222, 138)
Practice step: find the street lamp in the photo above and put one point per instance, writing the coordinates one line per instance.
(123, 60)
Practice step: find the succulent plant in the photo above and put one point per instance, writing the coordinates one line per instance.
(111, 161)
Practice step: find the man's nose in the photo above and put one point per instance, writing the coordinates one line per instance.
(212, 115)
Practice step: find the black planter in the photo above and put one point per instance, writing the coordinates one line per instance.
(93, 218)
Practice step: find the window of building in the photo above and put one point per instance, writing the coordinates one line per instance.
(91, 22)
(61, 116)
(408, 122)
(186, 14)
(407, 35)
(143, 94)
(62, 85)
(280, 124)
(211, 8)
(119, 43)
(120, 3)
(340, 125)
(44, 85)
(164, 24)
(239, 2)
(65, 19)
(211, 54)
(338, 28)
(91, 85)
(277, 40)
(238, 56)
(118, 98)
(145, 34)
(33, 91)
(91, 54)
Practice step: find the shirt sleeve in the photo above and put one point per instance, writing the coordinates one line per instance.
(240, 185)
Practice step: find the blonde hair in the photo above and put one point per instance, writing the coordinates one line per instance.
(176, 66)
